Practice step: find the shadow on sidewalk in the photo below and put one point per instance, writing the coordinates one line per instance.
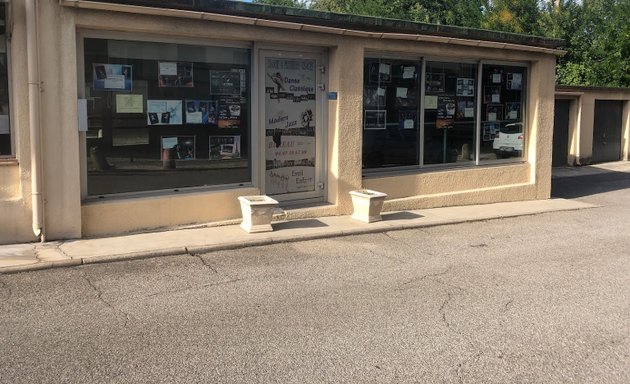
(587, 185)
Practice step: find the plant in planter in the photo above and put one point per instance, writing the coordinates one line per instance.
(367, 205)
(257, 212)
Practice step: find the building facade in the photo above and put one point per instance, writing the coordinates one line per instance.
(132, 115)
(592, 125)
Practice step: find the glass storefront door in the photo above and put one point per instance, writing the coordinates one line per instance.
(292, 90)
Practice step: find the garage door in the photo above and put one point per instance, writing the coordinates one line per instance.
(561, 133)
(607, 131)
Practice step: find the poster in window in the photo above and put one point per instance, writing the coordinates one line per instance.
(112, 77)
(126, 103)
(406, 97)
(465, 110)
(489, 131)
(494, 112)
(380, 72)
(375, 119)
(225, 82)
(512, 111)
(495, 76)
(178, 147)
(201, 112)
(465, 87)
(229, 112)
(430, 102)
(225, 147)
(164, 112)
(290, 125)
(492, 94)
(434, 82)
(407, 119)
(447, 107)
(374, 97)
(514, 81)
(175, 74)
(408, 72)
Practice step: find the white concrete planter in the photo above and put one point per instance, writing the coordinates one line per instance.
(257, 212)
(367, 205)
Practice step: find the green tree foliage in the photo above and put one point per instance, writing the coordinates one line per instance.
(286, 3)
(597, 32)
(452, 12)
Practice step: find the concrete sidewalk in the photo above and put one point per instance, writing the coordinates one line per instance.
(26, 257)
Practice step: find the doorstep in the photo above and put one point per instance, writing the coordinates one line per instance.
(25, 257)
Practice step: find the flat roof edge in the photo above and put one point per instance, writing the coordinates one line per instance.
(578, 88)
(337, 20)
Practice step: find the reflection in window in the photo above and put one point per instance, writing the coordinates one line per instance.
(449, 112)
(163, 116)
(454, 96)
(390, 113)
(502, 108)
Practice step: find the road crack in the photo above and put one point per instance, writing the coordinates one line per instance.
(203, 261)
(108, 304)
(406, 284)
(507, 304)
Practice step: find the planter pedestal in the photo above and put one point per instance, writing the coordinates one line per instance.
(367, 205)
(257, 212)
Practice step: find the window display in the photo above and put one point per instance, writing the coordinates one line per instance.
(391, 109)
(453, 95)
(449, 121)
(5, 130)
(165, 116)
(503, 133)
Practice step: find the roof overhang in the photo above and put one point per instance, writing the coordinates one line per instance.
(323, 22)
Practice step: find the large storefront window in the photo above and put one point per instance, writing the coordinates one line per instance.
(502, 128)
(390, 113)
(165, 116)
(449, 112)
(5, 131)
(466, 120)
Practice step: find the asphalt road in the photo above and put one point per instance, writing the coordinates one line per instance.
(537, 299)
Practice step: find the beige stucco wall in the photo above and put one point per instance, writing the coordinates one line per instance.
(67, 217)
(15, 185)
(582, 120)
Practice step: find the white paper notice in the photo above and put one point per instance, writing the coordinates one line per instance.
(408, 124)
(129, 103)
(168, 69)
(430, 102)
(492, 116)
(114, 82)
(385, 69)
(194, 117)
(469, 112)
(409, 72)
(496, 98)
(496, 78)
(401, 92)
(380, 92)
(512, 115)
